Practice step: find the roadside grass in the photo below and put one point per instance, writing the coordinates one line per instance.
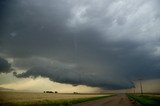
(53, 103)
(145, 100)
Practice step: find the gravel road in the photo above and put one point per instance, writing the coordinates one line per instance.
(119, 100)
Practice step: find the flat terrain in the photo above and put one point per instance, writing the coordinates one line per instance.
(119, 100)
(146, 99)
(30, 98)
(34, 98)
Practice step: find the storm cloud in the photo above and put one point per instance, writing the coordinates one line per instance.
(105, 44)
(5, 67)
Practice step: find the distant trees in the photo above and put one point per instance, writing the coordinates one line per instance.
(75, 92)
(49, 92)
(57, 92)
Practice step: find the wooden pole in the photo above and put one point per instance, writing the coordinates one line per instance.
(141, 87)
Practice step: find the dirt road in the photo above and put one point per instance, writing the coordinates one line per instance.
(119, 100)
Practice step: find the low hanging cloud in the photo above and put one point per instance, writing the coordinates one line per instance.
(106, 44)
(72, 76)
(5, 67)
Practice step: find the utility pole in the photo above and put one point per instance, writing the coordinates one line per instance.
(133, 87)
(141, 86)
(133, 90)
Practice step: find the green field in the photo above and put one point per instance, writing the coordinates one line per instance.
(28, 98)
(146, 99)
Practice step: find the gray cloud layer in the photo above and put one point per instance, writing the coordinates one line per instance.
(97, 43)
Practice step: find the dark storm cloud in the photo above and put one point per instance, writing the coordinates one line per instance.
(73, 77)
(96, 43)
(5, 67)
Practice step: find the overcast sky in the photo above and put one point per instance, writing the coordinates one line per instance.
(98, 43)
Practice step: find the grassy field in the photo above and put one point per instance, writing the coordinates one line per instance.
(28, 98)
(146, 99)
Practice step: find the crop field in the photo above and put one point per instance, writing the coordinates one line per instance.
(29, 98)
